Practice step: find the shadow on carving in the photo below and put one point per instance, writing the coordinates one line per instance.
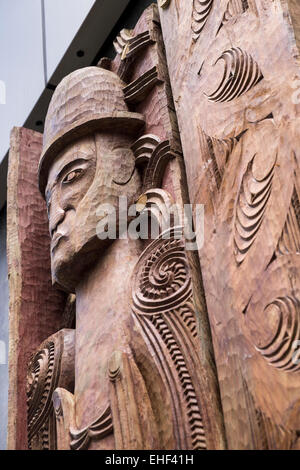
(200, 14)
(241, 73)
(250, 209)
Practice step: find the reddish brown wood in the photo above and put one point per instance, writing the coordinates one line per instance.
(35, 306)
(234, 69)
(158, 108)
(52, 366)
(144, 371)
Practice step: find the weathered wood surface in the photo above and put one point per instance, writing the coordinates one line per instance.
(234, 70)
(144, 369)
(35, 306)
(52, 366)
(156, 104)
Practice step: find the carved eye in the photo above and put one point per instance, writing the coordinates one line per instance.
(72, 176)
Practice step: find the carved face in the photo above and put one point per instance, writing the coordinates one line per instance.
(92, 171)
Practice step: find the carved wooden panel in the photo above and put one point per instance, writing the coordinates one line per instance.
(141, 63)
(234, 72)
(163, 308)
(143, 380)
(35, 306)
(51, 366)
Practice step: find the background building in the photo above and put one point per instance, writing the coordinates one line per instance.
(41, 41)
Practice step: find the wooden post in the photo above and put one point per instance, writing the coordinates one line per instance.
(35, 306)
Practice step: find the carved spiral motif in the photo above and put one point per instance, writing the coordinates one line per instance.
(276, 341)
(251, 206)
(201, 11)
(241, 73)
(40, 385)
(162, 281)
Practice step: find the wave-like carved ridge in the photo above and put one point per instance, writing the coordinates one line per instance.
(250, 209)
(241, 73)
(201, 11)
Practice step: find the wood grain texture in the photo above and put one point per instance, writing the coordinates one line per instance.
(35, 306)
(161, 122)
(123, 397)
(51, 366)
(236, 96)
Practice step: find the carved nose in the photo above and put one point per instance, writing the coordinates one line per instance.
(56, 216)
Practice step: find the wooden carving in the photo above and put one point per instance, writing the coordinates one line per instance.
(201, 11)
(163, 307)
(35, 305)
(51, 366)
(141, 350)
(234, 73)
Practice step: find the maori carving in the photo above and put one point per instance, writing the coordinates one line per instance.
(50, 367)
(275, 436)
(235, 8)
(64, 408)
(128, 407)
(35, 306)
(163, 282)
(248, 52)
(164, 3)
(154, 156)
(137, 90)
(290, 238)
(276, 343)
(100, 428)
(150, 390)
(122, 41)
(130, 45)
(267, 434)
(158, 205)
(69, 313)
(200, 13)
(127, 45)
(241, 73)
(144, 147)
(251, 205)
(219, 151)
(41, 371)
(161, 303)
(95, 169)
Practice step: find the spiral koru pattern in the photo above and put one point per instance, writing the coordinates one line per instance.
(282, 349)
(41, 382)
(162, 281)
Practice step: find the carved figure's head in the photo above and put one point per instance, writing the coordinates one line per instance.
(86, 162)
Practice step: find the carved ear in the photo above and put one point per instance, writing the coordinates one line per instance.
(123, 165)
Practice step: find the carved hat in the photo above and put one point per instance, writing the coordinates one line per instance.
(85, 101)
